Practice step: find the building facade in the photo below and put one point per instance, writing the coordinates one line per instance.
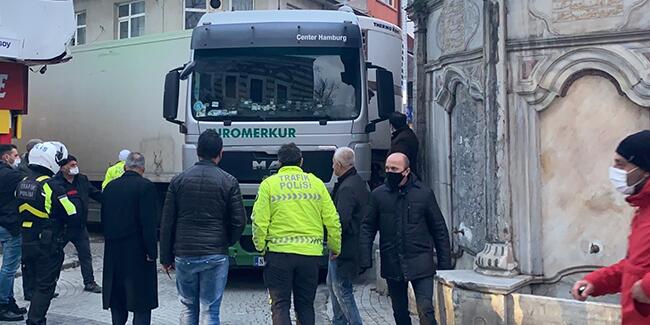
(520, 105)
(103, 20)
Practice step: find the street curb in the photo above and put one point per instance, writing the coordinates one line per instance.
(67, 264)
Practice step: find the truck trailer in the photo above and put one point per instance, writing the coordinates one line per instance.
(320, 79)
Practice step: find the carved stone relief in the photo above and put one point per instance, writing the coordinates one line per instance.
(468, 161)
(566, 17)
(451, 76)
(548, 78)
(459, 21)
(574, 10)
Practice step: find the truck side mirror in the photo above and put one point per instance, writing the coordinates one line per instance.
(170, 97)
(385, 93)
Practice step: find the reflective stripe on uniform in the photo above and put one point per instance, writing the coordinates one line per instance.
(295, 196)
(42, 178)
(69, 207)
(47, 191)
(297, 240)
(27, 224)
(26, 207)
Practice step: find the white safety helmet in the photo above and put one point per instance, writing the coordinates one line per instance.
(48, 155)
(124, 154)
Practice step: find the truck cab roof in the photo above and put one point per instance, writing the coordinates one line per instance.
(277, 28)
(278, 16)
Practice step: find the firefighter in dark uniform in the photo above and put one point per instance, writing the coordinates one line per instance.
(43, 208)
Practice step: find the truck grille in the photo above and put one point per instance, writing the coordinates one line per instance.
(254, 167)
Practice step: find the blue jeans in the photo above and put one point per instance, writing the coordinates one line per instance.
(11, 253)
(201, 280)
(344, 307)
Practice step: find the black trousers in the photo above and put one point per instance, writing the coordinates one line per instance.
(120, 316)
(45, 269)
(29, 279)
(285, 274)
(423, 288)
(81, 241)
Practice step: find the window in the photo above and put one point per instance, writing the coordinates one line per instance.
(389, 3)
(282, 92)
(256, 90)
(239, 5)
(130, 19)
(80, 33)
(194, 10)
(231, 87)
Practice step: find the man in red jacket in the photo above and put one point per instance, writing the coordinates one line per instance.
(630, 276)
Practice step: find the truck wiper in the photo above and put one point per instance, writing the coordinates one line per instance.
(322, 120)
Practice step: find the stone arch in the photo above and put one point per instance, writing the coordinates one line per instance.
(615, 63)
(451, 78)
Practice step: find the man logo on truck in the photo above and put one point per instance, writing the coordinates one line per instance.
(237, 133)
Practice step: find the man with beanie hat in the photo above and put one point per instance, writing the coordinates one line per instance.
(116, 171)
(79, 191)
(631, 276)
(403, 139)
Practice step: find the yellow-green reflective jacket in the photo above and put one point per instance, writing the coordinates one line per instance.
(114, 172)
(289, 214)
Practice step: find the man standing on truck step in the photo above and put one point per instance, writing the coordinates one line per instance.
(79, 191)
(404, 139)
(44, 211)
(10, 238)
(203, 216)
(291, 209)
(116, 171)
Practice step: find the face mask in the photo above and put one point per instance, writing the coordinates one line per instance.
(74, 171)
(394, 179)
(619, 177)
(16, 163)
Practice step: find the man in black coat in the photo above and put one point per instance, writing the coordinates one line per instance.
(79, 191)
(10, 238)
(350, 196)
(130, 212)
(404, 139)
(410, 225)
(203, 216)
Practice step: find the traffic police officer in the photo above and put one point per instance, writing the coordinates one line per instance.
(290, 212)
(43, 208)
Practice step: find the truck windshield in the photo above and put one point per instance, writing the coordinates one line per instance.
(272, 84)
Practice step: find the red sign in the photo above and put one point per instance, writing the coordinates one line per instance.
(13, 87)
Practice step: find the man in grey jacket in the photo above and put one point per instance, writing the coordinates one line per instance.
(350, 195)
(203, 216)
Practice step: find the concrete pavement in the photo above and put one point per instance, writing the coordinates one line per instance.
(245, 299)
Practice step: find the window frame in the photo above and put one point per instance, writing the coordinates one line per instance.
(84, 26)
(249, 85)
(390, 3)
(129, 18)
(232, 8)
(225, 92)
(186, 10)
(285, 85)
